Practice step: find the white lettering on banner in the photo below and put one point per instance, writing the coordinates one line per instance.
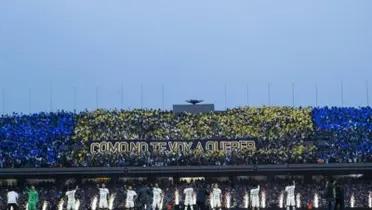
(137, 147)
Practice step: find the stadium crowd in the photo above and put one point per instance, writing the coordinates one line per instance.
(235, 193)
(37, 140)
(282, 135)
(349, 131)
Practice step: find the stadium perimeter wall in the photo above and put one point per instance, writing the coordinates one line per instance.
(180, 171)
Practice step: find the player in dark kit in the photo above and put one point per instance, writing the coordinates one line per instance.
(201, 197)
(340, 197)
(144, 198)
(330, 194)
(168, 199)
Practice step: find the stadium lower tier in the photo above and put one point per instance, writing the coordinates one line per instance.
(171, 193)
(176, 171)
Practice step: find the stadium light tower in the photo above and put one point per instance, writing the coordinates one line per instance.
(316, 95)
(50, 97)
(269, 93)
(122, 96)
(141, 95)
(342, 93)
(162, 97)
(29, 100)
(293, 94)
(74, 97)
(367, 93)
(225, 95)
(247, 94)
(3, 99)
(96, 97)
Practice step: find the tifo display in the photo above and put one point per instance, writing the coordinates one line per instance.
(267, 135)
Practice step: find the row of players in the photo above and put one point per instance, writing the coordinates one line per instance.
(215, 197)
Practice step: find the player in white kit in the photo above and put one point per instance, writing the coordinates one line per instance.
(12, 200)
(103, 197)
(131, 197)
(255, 197)
(189, 197)
(71, 200)
(216, 197)
(290, 191)
(157, 198)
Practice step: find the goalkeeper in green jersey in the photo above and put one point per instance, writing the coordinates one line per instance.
(33, 198)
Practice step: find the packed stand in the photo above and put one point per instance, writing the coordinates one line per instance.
(37, 140)
(348, 134)
(280, 134)
(283, 135)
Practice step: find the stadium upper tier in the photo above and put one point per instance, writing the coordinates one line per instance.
(281, 135)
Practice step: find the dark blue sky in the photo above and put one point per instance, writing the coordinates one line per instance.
(194, 49)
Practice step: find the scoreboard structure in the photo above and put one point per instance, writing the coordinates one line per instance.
(193, 108)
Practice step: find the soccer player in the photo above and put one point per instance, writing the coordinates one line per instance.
(33, 198)
(228, 200)
(12, 200)
(157, 194)
(201, 197)
(255, 197)
(340, 197)
(169, 199)
(71, 201)
(216, 197)
(298, 200)
(131, 196)
(330, 194)
(103, 197)
(246, 199)
(189, 197)
(290, 190)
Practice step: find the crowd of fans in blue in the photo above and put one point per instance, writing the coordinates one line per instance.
(340, 135)
(349, 133)
(37, 140)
